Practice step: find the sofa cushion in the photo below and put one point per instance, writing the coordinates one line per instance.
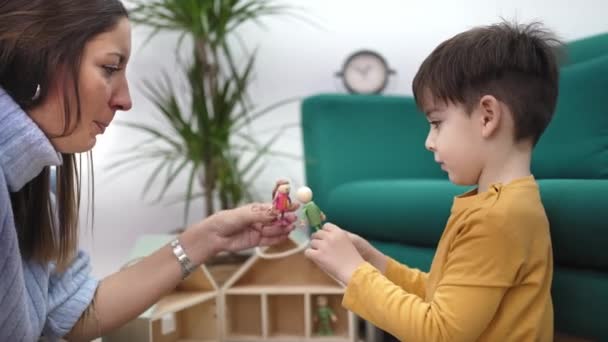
(575, 145)
(415, 257)
(578, 214)
(350, 138)
(586, 49)
(580, 302)
(405, 211)
(416, 211)
(572, 290)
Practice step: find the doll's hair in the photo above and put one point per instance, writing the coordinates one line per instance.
(276, 186)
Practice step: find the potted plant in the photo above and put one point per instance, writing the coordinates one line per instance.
(207, 136)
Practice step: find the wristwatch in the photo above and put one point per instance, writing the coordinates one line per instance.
(184, 261)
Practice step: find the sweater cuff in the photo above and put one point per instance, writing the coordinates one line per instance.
(356, 285)
(70, 294)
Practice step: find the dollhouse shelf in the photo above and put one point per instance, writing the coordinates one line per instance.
(176, 302)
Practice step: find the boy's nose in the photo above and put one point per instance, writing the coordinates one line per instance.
(429, 143)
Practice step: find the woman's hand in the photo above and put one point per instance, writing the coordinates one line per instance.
(251, 225)
(143, 283)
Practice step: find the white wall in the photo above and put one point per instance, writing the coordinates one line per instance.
(299, 59)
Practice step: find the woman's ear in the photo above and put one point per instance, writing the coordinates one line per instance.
(490, 115)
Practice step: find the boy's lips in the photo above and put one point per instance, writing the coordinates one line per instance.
(440, 164)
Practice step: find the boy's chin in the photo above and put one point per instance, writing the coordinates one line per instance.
(460, 180)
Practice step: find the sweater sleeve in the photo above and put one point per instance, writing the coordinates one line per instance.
(15, 322)
(410, 279)
(482, 263)
(70, 293)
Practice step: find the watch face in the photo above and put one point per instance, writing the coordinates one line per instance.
(365, 72)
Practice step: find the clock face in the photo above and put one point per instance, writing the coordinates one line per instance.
(365, 72)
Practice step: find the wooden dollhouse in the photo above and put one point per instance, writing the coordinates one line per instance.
(188, 314)
(275, 299)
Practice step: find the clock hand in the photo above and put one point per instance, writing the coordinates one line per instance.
(366, 69)
(361, 71)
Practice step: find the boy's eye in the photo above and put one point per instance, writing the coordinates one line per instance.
(435, 124)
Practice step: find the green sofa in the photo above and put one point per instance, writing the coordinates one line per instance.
(370, 173)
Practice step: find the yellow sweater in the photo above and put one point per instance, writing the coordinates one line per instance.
(490, 279)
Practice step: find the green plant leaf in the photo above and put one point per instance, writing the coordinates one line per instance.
(245, 118)
(207, 119)
(189, 190)
(258, 154)
(171, 175)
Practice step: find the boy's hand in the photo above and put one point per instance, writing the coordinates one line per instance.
(333, 251)
(363, 247)
(369, 252)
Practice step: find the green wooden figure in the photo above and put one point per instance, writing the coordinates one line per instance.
(312, 212)
(324, 317)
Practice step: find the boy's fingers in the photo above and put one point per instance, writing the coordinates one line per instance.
(319, 235)
(311, 254)
(314, 244)
(329, 227)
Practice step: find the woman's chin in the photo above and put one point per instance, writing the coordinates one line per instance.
(92, 143)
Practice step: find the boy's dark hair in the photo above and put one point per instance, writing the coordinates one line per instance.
(517, 64)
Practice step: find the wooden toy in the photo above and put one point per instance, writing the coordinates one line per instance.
(275, 299)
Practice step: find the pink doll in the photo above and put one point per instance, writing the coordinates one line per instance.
(280, 197)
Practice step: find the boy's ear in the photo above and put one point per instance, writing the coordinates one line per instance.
(490, 112)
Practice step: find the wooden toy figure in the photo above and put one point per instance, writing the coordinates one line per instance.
(313, 214)
(324, 317)
(280, 197)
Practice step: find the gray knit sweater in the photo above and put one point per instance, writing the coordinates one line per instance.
(34, 299)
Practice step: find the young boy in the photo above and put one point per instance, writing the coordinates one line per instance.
(488, 94)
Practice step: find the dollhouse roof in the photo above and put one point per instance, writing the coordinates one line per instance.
(198, 287)
(282, 274)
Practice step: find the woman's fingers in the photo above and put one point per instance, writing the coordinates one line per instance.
(269, 241)
(273, 230)
(257, 212)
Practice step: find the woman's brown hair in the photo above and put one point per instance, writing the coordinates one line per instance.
(38, 40)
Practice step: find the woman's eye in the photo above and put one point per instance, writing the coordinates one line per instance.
(111, 69)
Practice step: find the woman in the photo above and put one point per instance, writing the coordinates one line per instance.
(62, 78)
